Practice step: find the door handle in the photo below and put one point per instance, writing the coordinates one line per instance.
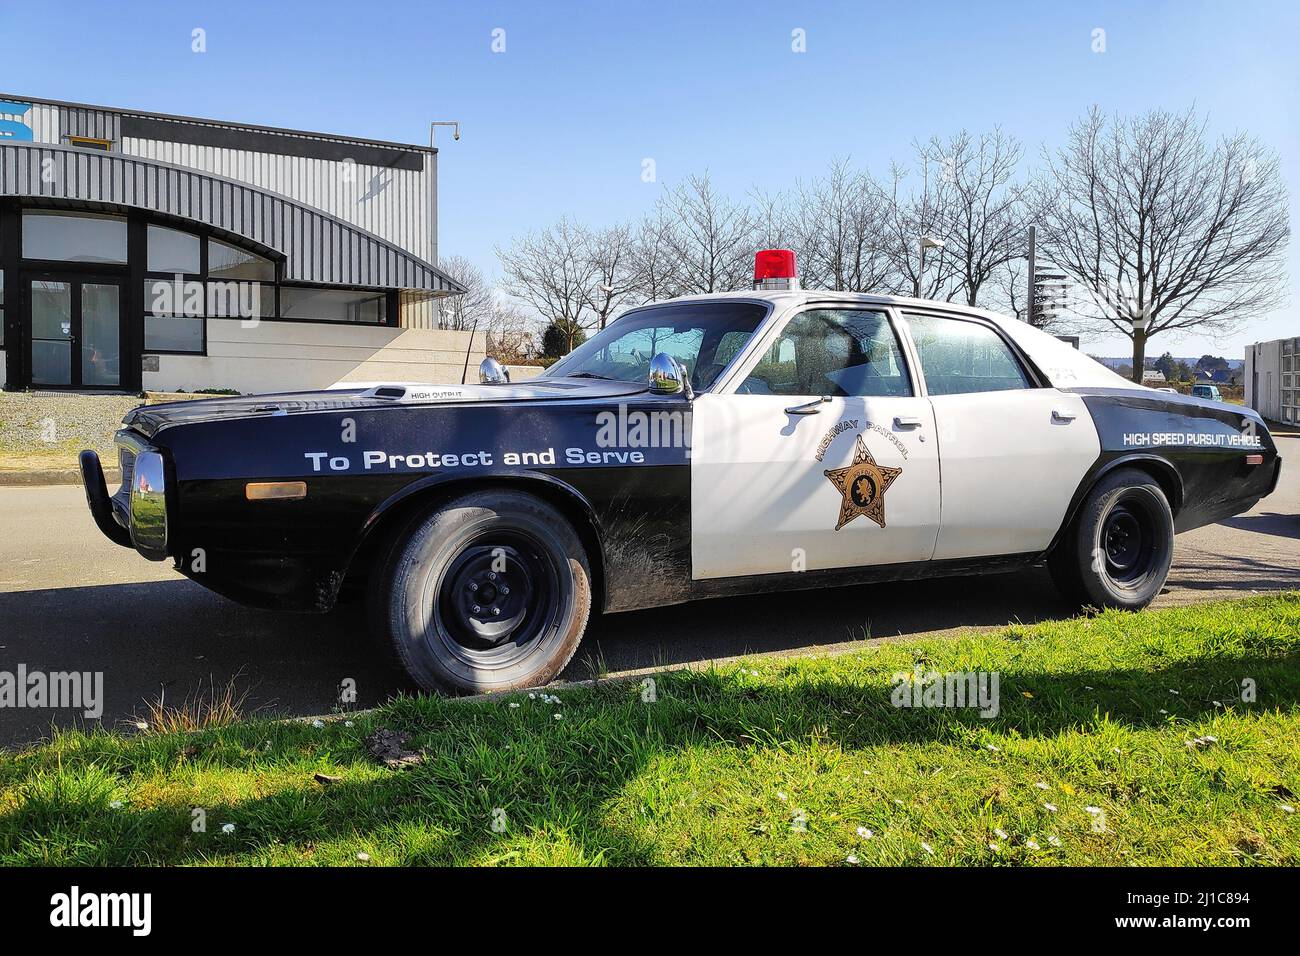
(1061, 417)
(811, 408)
(906, 421)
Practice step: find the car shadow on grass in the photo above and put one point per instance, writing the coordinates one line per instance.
(558, 781)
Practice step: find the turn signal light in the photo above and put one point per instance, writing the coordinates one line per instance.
(1254, 459)
(273, 490)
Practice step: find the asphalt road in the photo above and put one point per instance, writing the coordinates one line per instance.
(70, 600)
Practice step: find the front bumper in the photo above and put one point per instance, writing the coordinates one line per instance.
(136, 516)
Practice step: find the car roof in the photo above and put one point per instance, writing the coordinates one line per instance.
(795, 297)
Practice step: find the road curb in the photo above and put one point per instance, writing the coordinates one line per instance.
(62, 476)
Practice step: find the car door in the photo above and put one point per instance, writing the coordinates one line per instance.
(818, 453)
(1011, 452)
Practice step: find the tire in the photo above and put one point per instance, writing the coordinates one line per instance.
(507, 552)
(1117, 551)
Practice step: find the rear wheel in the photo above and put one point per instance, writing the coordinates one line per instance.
(1117, 550)
(492, 591)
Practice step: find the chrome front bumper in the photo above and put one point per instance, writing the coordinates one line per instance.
(136, 516)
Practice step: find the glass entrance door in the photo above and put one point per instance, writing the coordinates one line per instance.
(76, 337)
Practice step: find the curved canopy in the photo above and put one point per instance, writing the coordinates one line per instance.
(317, 248)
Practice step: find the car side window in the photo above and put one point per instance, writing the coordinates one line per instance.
(838, 352)
(959, 357)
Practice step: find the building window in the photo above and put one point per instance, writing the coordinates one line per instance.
(172, 251)
(175, 318)
(240, 299)
(74, 237)
(164, 333)
(230, 262)
(334, 305)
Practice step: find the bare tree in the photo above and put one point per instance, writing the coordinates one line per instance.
(914, 208)
(655, 264)
(837, 224)
(982, 216)
(611, 255)
(709, 236)
(1153, 223)
(460, 312)
(553, 272)
(510, 333)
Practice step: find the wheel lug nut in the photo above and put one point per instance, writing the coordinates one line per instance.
(505, 589)
(496, 610)
(492, 575)
(476, 609)
(473, 586)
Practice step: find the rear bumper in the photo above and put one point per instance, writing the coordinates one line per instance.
(136, 517)
(101, 508)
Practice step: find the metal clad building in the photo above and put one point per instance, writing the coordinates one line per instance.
(1272, 377)
(144, 250)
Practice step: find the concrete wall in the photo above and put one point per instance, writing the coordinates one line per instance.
(278, 356)
(522, 373)
(1263, 375)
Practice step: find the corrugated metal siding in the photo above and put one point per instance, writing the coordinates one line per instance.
(394, 204)
(44, 121)
(96, 124)
(317, 248)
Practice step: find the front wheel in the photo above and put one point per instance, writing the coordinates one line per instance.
(490, 592)
(1117, 551)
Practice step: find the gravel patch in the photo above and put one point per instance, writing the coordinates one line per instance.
(36, 422)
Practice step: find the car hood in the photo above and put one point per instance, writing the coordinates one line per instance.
(151, 419)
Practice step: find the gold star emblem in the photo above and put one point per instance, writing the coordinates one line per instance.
(863, 484)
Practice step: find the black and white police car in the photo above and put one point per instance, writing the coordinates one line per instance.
(703, 446)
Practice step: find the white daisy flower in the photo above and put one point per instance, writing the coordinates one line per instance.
(927, 848)
(1054, 841)
(514, 705)
(1287, 808)
(116, 804)
(1050, 807)
(1032, 844)
(1093, 810)
(1000, 833)
(349, 723)
(994, 847)
(864, 833)
(227, 828)
(781, 796)
(363, 857)
(318, 724)
(851, 858)
(1041, 786)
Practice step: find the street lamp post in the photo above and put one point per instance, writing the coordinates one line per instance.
(927, 242)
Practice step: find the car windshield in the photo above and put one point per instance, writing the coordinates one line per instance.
(703, 336)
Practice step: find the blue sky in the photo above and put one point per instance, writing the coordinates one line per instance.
(560, 122)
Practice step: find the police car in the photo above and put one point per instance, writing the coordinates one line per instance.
(709, 445)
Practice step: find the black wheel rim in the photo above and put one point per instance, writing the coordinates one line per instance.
(1129, 542)
(496, 599)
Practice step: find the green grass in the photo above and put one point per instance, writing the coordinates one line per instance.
(723, 765)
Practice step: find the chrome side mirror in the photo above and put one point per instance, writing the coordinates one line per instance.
(668, 377)
(492, 372)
